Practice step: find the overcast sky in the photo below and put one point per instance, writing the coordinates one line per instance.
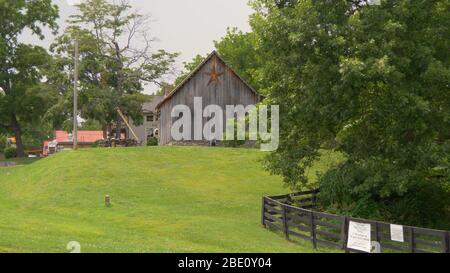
(185, 26)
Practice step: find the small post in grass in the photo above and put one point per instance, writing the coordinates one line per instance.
(107, 201)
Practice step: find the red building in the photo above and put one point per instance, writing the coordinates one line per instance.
(64, 140)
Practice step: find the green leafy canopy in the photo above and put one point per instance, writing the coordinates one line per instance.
(369, 81)
(23, 67)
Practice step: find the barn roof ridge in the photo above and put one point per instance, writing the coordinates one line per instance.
(197, 69)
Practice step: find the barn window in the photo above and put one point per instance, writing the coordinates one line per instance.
(150, 118)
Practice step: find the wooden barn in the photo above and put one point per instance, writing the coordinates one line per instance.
(216, 83)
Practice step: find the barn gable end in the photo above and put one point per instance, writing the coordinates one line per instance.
(216, 83)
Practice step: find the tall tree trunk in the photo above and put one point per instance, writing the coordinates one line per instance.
(105, 131)
(118, 126)
(15, 126)
(18, 135)
(119, 88)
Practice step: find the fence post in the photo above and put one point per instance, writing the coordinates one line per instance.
(313, 229)
(412, 240)
(344, 232)
(314, 198)
(263, 212)
(377, 232)
(285, 223)
(446, 242)
(289, 200)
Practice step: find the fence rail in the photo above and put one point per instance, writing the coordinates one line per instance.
(292, 214)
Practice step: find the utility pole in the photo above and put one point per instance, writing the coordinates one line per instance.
(75, 98)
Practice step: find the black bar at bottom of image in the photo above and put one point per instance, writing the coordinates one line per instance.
(220, 262)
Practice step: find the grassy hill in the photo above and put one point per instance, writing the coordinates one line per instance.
(164, 199)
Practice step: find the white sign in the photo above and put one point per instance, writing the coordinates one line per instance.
(359, 237)
(397, 233)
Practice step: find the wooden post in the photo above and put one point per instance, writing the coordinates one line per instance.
(446, 242)
(107, 200)
(314, 199)
(285, 223)
(75, 97)
(263, 212)
(344, 232)
(412, 241)
(289, 200)
(377, 232)
(127, 124)
(313, 229)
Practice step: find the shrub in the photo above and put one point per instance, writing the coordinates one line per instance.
(152, 141)
(233, 143)
(2, 143)
(98, 143)
(10, 152)
(424, 202)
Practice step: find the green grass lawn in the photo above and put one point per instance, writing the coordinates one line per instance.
(164, 199)
(20, 161)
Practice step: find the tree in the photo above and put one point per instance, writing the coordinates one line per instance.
(165, 88)
(372, 83)
(21, 65)
(91, 125)
(189, 67)
(116, 60)
(240, 51)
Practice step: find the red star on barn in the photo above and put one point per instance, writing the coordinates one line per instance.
(213, 74)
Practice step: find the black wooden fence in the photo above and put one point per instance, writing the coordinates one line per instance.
(292, 214)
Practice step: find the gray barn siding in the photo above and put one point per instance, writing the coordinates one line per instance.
(230, 90)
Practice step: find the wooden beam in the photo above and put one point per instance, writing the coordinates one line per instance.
(128, 125)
